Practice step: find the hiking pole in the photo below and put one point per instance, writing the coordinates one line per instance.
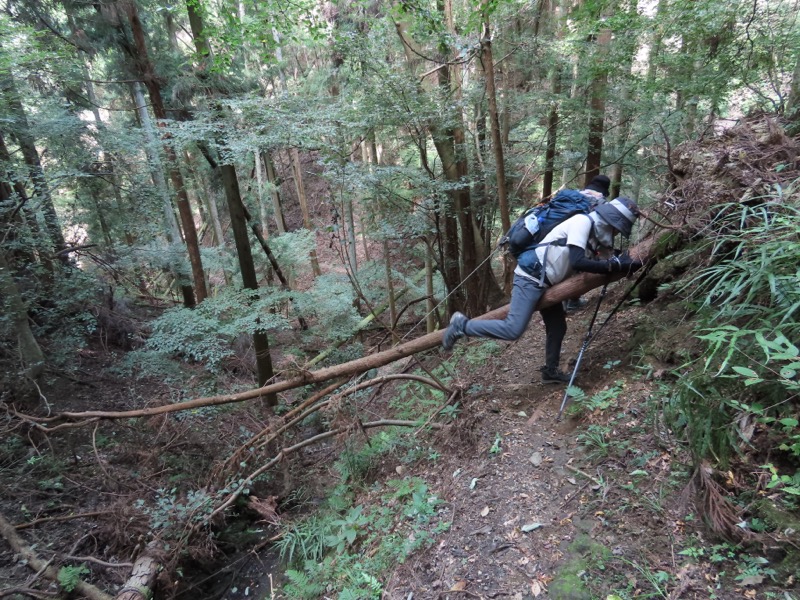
(589, 336)
(585, 345)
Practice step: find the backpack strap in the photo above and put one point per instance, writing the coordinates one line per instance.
(560, 242)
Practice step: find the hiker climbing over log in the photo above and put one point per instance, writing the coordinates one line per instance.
(569, 247)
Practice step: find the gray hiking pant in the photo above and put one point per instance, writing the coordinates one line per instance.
(524, 297)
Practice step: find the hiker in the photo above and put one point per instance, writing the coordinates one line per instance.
(564, 250)
(597, 190)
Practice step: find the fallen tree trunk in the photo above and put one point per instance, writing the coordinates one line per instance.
(143, 577)
(22, 548)
(571, 288)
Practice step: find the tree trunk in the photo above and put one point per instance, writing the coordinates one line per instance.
(301, 196)
(30, 353)
(274, 191)
(171, 228)
(793, 101)
(146, 71)
(249, 277)
(430, 303)
(20, 129)
(597, 106)
(387, 261)
(497, 143)
(552, 135)
(142, 580)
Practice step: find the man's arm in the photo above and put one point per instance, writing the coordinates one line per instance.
(579, 262)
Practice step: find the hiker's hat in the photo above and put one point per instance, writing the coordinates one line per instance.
(599, 183)
(621, 214)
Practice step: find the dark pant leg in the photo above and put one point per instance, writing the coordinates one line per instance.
(555, 324)
(524, 298)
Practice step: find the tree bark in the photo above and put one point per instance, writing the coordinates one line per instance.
(142, 580)
(30, 352)
(301, 196)
(247, 267)
(171, 229)
(20, 129)
(38, 565)
(274, 191)
(145, 69)
(597, 106)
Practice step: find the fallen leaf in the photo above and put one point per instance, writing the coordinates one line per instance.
(752, 580)
(536, 589)
(483, 530)
(485, 511)
(459, 586)
(530, 527)
(400, 469)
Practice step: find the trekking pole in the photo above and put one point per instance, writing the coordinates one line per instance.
(585, 345)
(589, 335)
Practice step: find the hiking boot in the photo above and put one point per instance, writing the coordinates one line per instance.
(553, 375)
(574, 304)
(454, 331)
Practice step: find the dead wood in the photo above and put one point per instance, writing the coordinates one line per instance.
(22, 548)
(571, 288)
(143, 577)
(247, 482)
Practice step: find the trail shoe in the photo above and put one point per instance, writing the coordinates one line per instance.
(553, 375)
(454, 331)
(574, 304)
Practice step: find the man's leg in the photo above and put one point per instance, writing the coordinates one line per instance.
(524, 298)
(555, 324)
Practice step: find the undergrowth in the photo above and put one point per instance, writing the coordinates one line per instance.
(738, 403)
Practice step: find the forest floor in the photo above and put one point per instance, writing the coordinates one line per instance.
(585, 508)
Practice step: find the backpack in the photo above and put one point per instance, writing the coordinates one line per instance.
(535, 223)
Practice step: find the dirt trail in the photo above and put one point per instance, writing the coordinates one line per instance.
(518, 493)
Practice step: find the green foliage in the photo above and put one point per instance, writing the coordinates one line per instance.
(171, 513)
(69, 577)
(331, 547)
(206, 333)
(747, 303)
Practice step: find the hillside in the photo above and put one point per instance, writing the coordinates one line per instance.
(665, 479)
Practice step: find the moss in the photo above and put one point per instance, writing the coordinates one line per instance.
(569, 583)
(785, 523)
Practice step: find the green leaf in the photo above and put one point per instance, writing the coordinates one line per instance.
(745, 371)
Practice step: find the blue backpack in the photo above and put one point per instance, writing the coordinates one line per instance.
(529, 230)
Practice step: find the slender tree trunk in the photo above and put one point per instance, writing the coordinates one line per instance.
(552, 134)
(247, 266)
(30, 354)
(793, 100)
(274, 191)
(301, 196)
(171, 229)
(387, 261)
(350, 234)
(497, 142)
(146, 71)
(262, 207)
(41, 190)
(597, 106)
(430, 303)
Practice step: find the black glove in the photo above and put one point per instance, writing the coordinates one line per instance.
(623, 264)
